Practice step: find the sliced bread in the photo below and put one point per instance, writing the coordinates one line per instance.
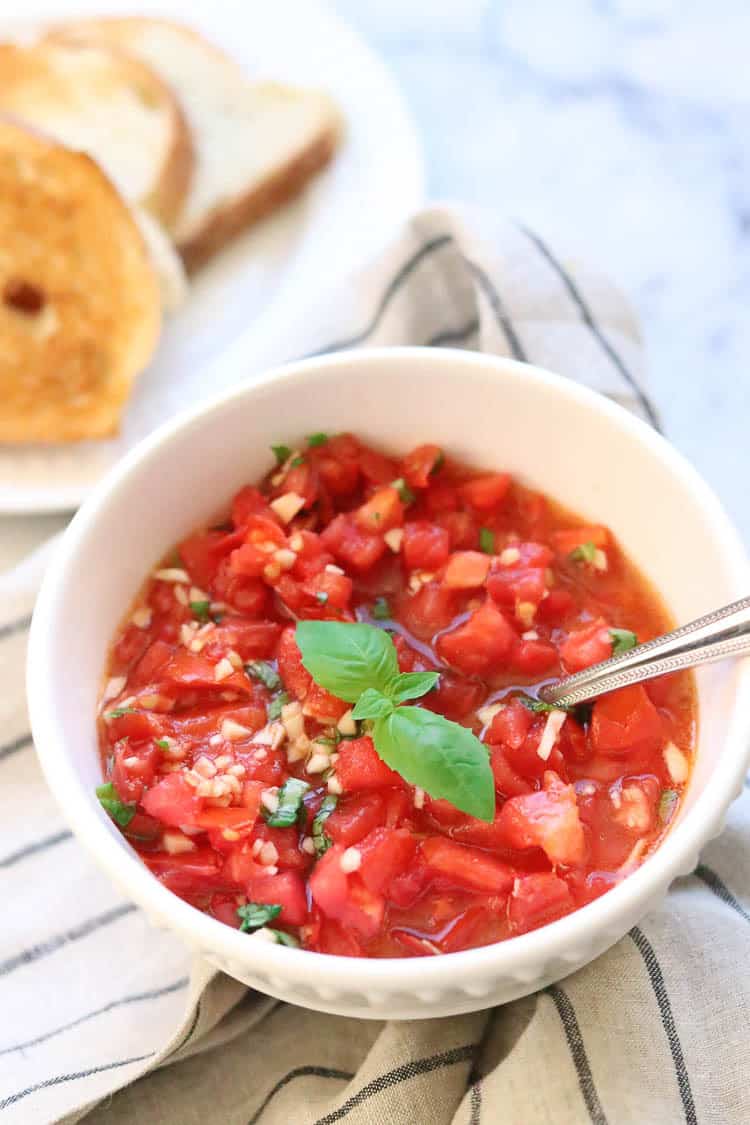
(110, 105)
(80, 307)
(257, 144)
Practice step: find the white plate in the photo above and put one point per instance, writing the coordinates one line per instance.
(267, 277)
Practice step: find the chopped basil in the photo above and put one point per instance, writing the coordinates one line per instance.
(667, 804)
(402, 488)
(321, 841)
(317, 439)
(584, 553)
(322, 597)
(121, 813)
(264, 671)
(283, 938)
(290, 804)
(201, 610)
(438, 463)
(622, 641)
(163, 743)
(274, 707)
(296, 462)
(256, 914)
(486, 541)
(119, 712)
(539, 707)
(381, 611)
(281, 452)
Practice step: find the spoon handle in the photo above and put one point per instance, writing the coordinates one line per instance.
(725, 632)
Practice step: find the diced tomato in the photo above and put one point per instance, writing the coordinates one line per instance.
(556, 606)
(202, 553)
(223, 907)
(321, 705)
(287, 890)
(381, 512)
(483, 642)
(173, 801)
(355, 816)
(462, 528)
(302, 480)
(294, 676)
(466, 570)
(377, 468)
(537, 899)
(625, 720)
(586, 646)
(330, 589)
(250, 596)
(455, 865)
(134, 769)
(352, 546)
(343, 897)
(507, 781)
(359, 766)
(386, 853)
(511, 725)
(419, 466)
(533, 658)
(549, 820)
(430, 609)
(566, 541)
(253, 640)
(455, 696)
(425, 546)
(236, 819)
(187, 872)
(249, 502)
(147, 669)
(486, 493)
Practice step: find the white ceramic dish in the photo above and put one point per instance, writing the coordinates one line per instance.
(267, 278)
(556, 435)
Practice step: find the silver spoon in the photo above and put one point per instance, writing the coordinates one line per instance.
(725, 632)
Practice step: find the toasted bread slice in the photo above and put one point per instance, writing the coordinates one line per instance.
(110, 105)
(257, 144)
(80, 307)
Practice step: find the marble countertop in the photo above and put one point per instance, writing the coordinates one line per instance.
(622, 128)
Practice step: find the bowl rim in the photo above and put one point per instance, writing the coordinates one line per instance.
(361, 975)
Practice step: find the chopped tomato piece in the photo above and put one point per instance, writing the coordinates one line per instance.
(343, 896)
(381, 512)
(486, 493)
(456, 865)
(355, 816)
(202, 553)
(386, 853)
(419, 466)
(625, 720)
(507, 780)
(565, 542)
(486, 640)
(466, 570)
(538, 899)
(426, 546)
(359, 766)
(173, 801)
(352, 546)
(286, 890)
(549, 820)
(249, 502)
(586, 646)
(431, 608)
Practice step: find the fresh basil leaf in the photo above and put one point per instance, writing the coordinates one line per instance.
(121, 813)
(321, 841)
(486, 541)
(256, 914)
(283, 938)
(264, 671)
(410, 685)
(317, 439)
(347, 658)
(274, 709)
(585, 553)
(163, 743)
(622, 641)
(402, 488)
(201, 610)
(290, 804)
(281, 453)
(668, 802)
(443, 758)
(381, 611)
(296, 462)
(119, 712)
(372, 704)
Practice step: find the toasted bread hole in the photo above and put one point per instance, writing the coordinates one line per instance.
(23, 297)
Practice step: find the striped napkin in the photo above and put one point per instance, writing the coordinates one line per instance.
(96, 1002)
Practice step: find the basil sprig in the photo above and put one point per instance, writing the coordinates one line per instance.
(290, 804)
(622, 641)
(255, 914)
(358, 663)
(264, 671)
(321, 840)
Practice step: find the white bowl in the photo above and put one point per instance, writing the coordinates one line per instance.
(556, 435)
